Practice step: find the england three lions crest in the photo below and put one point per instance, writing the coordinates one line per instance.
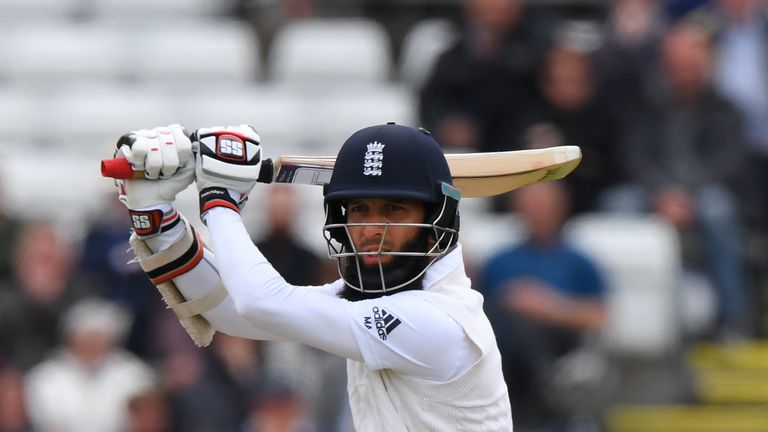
(373, 159)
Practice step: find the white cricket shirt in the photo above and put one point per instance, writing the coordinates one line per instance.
(418, 360)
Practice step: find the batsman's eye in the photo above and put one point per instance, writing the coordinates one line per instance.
(393, 208)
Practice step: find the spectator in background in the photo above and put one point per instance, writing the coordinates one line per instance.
(279, 409)
(32, 304)
(104, 266)
(297, 264)
(632, 35)
(210, 390)
(684, 154)
(268, 18)
(149, 411)
(9, 233)
(574, 111)
(681, 9)
(479, 86)
(13, 410)
(542, 298)
(741, 73)
(321, 382)
(86, 385)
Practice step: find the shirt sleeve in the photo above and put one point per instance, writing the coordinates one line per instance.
(413, 337)
(224, 316)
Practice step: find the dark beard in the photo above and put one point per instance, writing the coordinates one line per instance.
(400, 270)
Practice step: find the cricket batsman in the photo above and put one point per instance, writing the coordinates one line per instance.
(421, 353)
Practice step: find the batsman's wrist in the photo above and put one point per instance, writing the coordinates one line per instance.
(218, 197)
(166, 239)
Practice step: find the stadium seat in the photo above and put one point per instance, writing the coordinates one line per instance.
(165, 10)
(483, 234)
(321, 51)
(38, 11)
(339, 112)
(422, 45)
(53, 55)
(90, 119)
(63, 189)
(640, 257)
(278, 115)
(211, 54)
(21, 116)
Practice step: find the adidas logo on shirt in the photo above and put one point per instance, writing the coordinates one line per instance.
(384, 322)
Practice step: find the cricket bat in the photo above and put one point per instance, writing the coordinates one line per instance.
(474, 174)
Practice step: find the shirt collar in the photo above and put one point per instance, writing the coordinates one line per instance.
(444, 266)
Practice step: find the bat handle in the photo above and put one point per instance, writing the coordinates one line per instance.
(266, 172)
(122, 169)
(119, 169)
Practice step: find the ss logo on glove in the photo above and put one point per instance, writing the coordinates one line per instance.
(146, 222)
(141, 222)
(230, 147)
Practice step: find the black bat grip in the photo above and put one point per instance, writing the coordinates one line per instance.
(267, 172)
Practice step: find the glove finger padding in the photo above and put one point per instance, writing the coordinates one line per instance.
(169, 154)
(183, 145)
(159, 152)
(165, 155)
(153, 161)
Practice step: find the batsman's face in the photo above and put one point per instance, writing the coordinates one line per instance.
(379, 237)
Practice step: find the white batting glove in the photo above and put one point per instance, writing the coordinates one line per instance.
(165, 156)
(228, 165)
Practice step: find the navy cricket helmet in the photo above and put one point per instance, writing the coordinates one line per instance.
(391, 161)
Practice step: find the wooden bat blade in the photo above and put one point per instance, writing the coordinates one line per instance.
(499, 184)
(491, 164)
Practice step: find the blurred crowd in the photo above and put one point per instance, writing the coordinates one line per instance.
(87, 345)
(668, 101)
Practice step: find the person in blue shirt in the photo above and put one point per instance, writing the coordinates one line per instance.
(542, 297)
